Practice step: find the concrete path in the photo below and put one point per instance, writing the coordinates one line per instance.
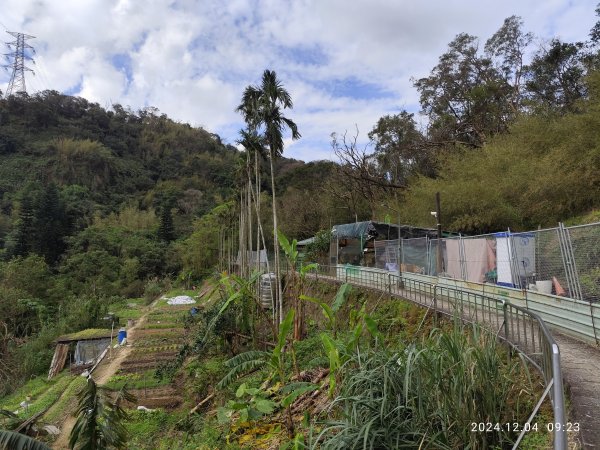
(580, 363)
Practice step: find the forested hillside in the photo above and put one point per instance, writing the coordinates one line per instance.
(99, 205)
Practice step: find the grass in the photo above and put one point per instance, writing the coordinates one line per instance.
(66, 403)
(33, 388)
(125, 314)
(41, 400)
(160, 326)
(146, 425)
(176, 292)
(132, 308)
(159, 430)
(309, 352)
(203, 374)
(166, 315)
(147, 428)
(90, 333)
(430, 392)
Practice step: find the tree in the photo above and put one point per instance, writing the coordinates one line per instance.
(51, 225)
(400, 149)
(359, 174)
(166, 232)
(465, 96)
(555, 77)
(204, 248)
(595, 31)
(261, 108)
(99, 419)
(24, 227)
(506, 49)
(255, 149)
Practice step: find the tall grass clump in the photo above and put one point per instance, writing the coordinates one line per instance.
(428, 394)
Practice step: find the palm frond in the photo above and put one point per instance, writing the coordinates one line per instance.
(99, 421)
(293, 128)
(7, 413)
(9, 440)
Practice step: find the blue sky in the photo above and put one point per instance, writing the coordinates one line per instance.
(346, 63)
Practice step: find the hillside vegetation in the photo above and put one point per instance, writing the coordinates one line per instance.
(544, 170)
(102, 209)
(99, 205)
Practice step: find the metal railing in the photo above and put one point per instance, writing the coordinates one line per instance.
(523, 330)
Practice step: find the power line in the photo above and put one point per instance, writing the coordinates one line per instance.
(17, 79)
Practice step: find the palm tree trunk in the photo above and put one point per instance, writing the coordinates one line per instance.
(241, 240)
(257, 201)
(264, 245)
(279, 295)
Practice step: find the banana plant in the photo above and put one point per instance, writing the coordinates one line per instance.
(297, 272)
(330, 312)
(247, 362)
(340, 351)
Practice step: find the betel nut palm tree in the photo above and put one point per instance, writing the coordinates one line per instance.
(262, 108)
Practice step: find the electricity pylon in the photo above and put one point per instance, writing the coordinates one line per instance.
(17, 79)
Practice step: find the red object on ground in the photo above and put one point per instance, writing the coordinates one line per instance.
(557, 287)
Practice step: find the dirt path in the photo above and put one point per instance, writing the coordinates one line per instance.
(106, 369)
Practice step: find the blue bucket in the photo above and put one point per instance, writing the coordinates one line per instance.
(122, 335)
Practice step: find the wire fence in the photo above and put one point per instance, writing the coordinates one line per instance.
(563, 261)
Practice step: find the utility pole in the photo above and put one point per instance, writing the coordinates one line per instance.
(438, 213)
(17, 78)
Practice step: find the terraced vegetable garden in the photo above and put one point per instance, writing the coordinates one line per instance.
(157, 338)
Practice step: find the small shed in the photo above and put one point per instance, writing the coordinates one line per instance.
(355, 243)
(85, 347)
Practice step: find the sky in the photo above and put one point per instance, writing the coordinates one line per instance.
(346, 63)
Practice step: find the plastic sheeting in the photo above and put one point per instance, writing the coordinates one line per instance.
(351, 252)
(181, 300)
(356, 230)
(86, 352)
(414, 255)
(477, 259)
(386, 255)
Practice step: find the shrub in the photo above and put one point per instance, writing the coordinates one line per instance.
(428, 395)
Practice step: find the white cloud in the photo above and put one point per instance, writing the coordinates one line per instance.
(193, 58)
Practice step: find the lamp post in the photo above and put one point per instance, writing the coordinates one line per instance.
(437, 214)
